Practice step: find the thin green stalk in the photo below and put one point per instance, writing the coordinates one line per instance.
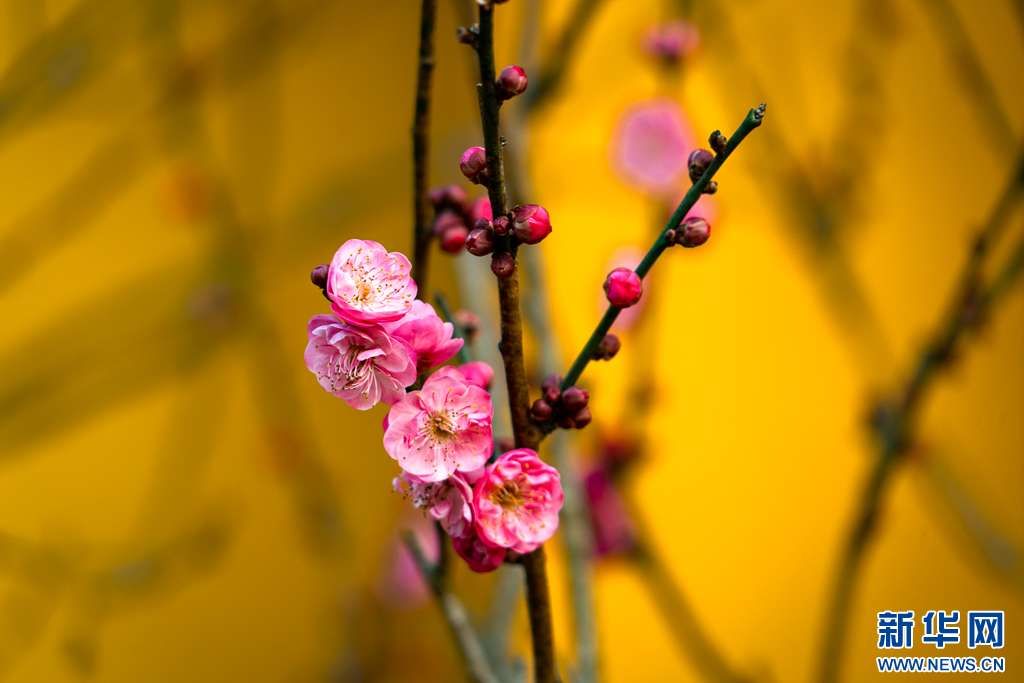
(752, 121)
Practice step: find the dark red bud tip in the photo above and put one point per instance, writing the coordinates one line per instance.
(574, 399)
(511, 81)
(552, 388)
(718, 141)
(607, 347)
(623, 287)
(473, 164)
(501, 226)
(480, 242)
(531, 223)
(503, 265)
(693, 232)
(711, 187)
(698, 162)
(566, 422)
(483, 224)
(541, 410)
(318, 276)
(582, 417)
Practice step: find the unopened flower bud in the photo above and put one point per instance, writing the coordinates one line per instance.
(483, 224)
(511, 81)
(454, 239)
(447, 196)
(503, 265)
(318, 276)
(582, 417)
(541, 410)
(473, 164)
(530, 223)
(574, 399)
(501, 226)
(693, 232)
(445, 221)
(711, 187)
(698, 162)
(623, 287)
(552, 388)
(607, 347)
(566, 422)
(480, 242)
(718, 141)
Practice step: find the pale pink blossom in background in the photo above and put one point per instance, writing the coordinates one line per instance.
(672, 41)
(443, 428)
(652, 146)
(401, 584)
(448, 502)
(478, 554)
(516, 502)
(368, 284)
(360, 365)
(426, 334)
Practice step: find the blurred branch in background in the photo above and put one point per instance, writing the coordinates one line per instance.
(893, 418)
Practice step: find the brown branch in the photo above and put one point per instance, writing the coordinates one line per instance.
(511, 345)
(421, 148)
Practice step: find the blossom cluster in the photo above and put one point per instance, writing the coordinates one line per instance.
(378, 342)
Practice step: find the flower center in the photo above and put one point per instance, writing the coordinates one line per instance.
(440, 428)
(508, 496)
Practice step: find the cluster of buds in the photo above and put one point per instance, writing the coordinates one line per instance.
(566, 409)
(453, 214)
(526, 224)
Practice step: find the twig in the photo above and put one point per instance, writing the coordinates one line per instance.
(470, 647)
(511, 346)
(894, 423)
(752, 121)
(421, 146)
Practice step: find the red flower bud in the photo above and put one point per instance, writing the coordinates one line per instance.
(541, 410)
(503, 265)
(319, 276)
(454, 239)
(574, 399)
(511, 81)
(607, 347)
(473, 164)
(582, 417)
(480, 242)
(693, 232)
(502, 226)
(481, 208)
(623, 287)
(566, 422)
(698, 162)
(447, 196)
(531, 223)
(552, 388)
(446, 220)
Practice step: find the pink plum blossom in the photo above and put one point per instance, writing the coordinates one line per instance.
(652, 145)
(448, 502)
(478, 554)
(477, 373)
(366, 283)
(360, 365)
(426, 334)
(443, 428)
(516, 502)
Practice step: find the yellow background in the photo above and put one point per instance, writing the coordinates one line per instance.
(180, 501)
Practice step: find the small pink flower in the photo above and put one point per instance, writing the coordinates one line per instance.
(479, 555)
(613, 530)
(516, 502)
(623, 287)
(360, 365)
(443, 428)
(477, 373)
(426, 334)
(448, 501)
(653, 143)
(368, 284)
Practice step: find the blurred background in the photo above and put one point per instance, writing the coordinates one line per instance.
(181, 501)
